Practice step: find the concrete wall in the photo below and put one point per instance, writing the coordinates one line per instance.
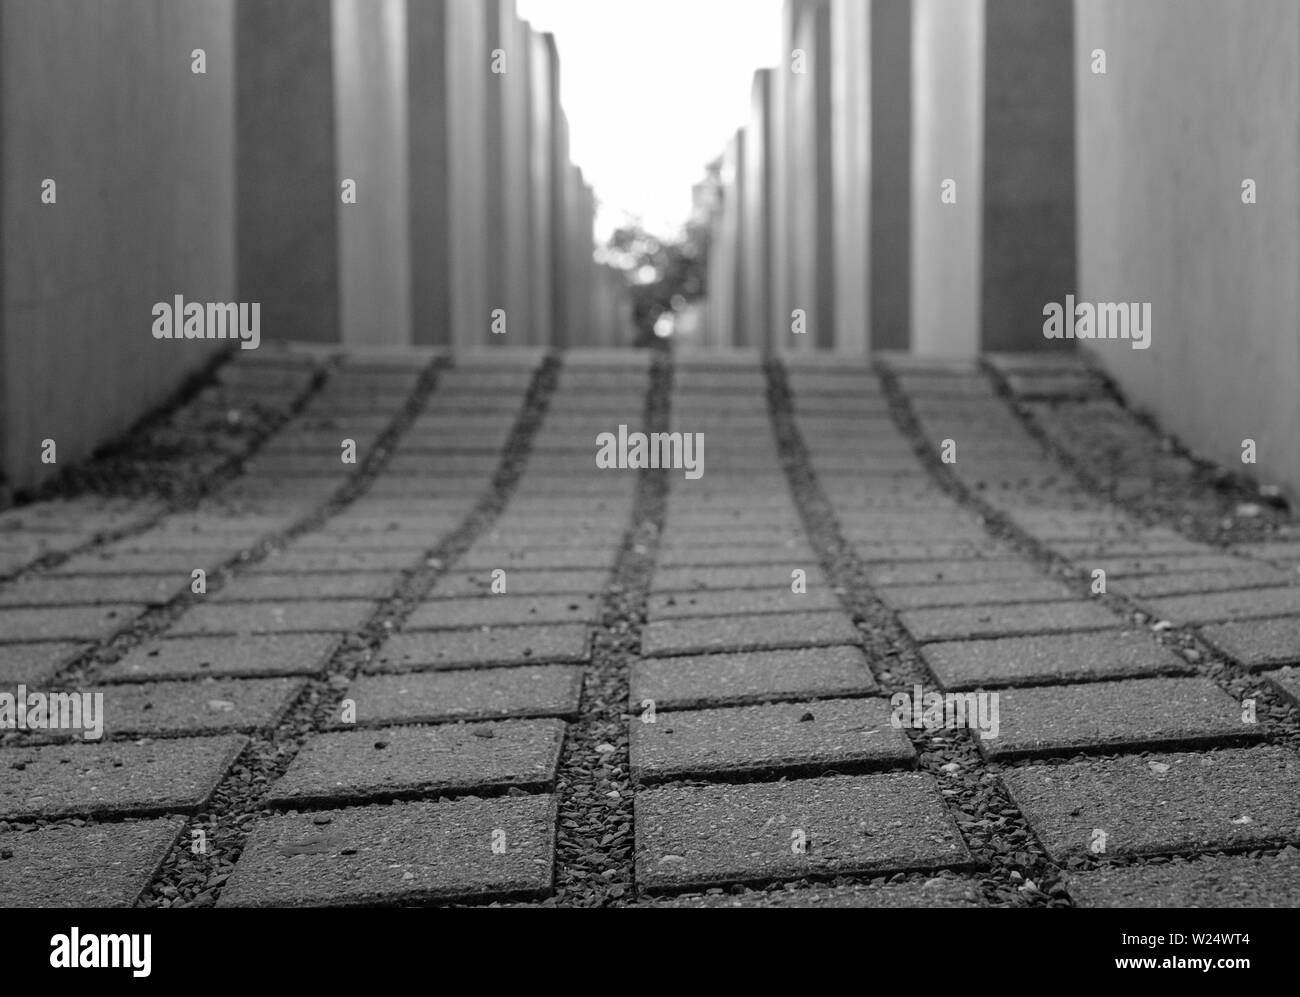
(812, 227)
(851, 165)
(1028, 212)
(756, 318)
(428, 176)
(947, 120)
(286, 169)
(143, 213)
(370, 49)
(891, 174)
(1198, 96)
(541, 157)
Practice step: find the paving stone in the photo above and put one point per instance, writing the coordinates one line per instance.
(311, 561)
(176, 775)
(488, 558)
(1131, 546)
(1005, 661)
(796, 555)
(338, 616)
(873, 551)
(1257, 643)
(98, 865)
(504, 610)
(699, 635)
(938, 891)
(1211, 881)
(484, 647)
(212, 706)
(700, 578)
(957, 623)
(1230, 798)
(1244, 604)
(162, 562)
(811, 738)
(61, 590)
(1130, 567)
(35, 664)
(974, 594)
(488, 694)
(750, 677)
(1191, 582)
(724, 602)
(1287, 682)
(276, 588)
(381, 855)
(392, 762)
(1139, 714)
(696, 836)
(258, 655)
(66, 622)
(952, 572)
(543, 582)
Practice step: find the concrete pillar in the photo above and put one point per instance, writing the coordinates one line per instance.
(432, 239)
(1197, 98)
(286, 167)
(369, 43)
(473, 216)
(756, 264)
(783, 137)
(560, 210)
(1029, 211)
(890, 243)
(813, 227)
(509, 163)
(542, 100)
(102, 100)
(947, 116)
(851, 167)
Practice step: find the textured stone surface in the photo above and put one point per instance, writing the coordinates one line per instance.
(273, 588)
(1258, 643)
(813, 738)
(750, 676)
(176, 775)
(481, 694)
(774, 575)
(974, 593)
(937, 891)
(523, 645)
(1049, 658)
(98, 865)
(340, 616)
(1287, 682)
(543, 582)
(1006, 621)
(700, 835)
(1139, 713)
(251, 655)
(390, 762)
(35, 664)
(58, 590)
(1214, 881)
(1219, 606)
(504, 610)
(1231, 798)
(66, 622)
(698, 635)
(382, 854)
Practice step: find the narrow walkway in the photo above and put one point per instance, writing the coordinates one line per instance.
(379, 630)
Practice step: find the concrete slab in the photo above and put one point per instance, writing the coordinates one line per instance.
(1211, 881)
(958, 623)
(484, 647)
(337, 616)
(696, 836)
(224, 657)
(144, 778)
(1258, 643)
(35, 664)
(65, 623)
(715, 634)
(1231, 798)
(812, 738)
(504, 610)
(489, 694)
(394, 762)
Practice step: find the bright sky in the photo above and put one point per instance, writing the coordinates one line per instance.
(653, 90)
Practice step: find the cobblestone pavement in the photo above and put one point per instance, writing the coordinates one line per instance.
(921, 634)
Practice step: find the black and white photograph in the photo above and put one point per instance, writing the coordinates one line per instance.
(650, 454)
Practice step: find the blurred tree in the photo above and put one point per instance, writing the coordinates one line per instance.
(664, 275)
